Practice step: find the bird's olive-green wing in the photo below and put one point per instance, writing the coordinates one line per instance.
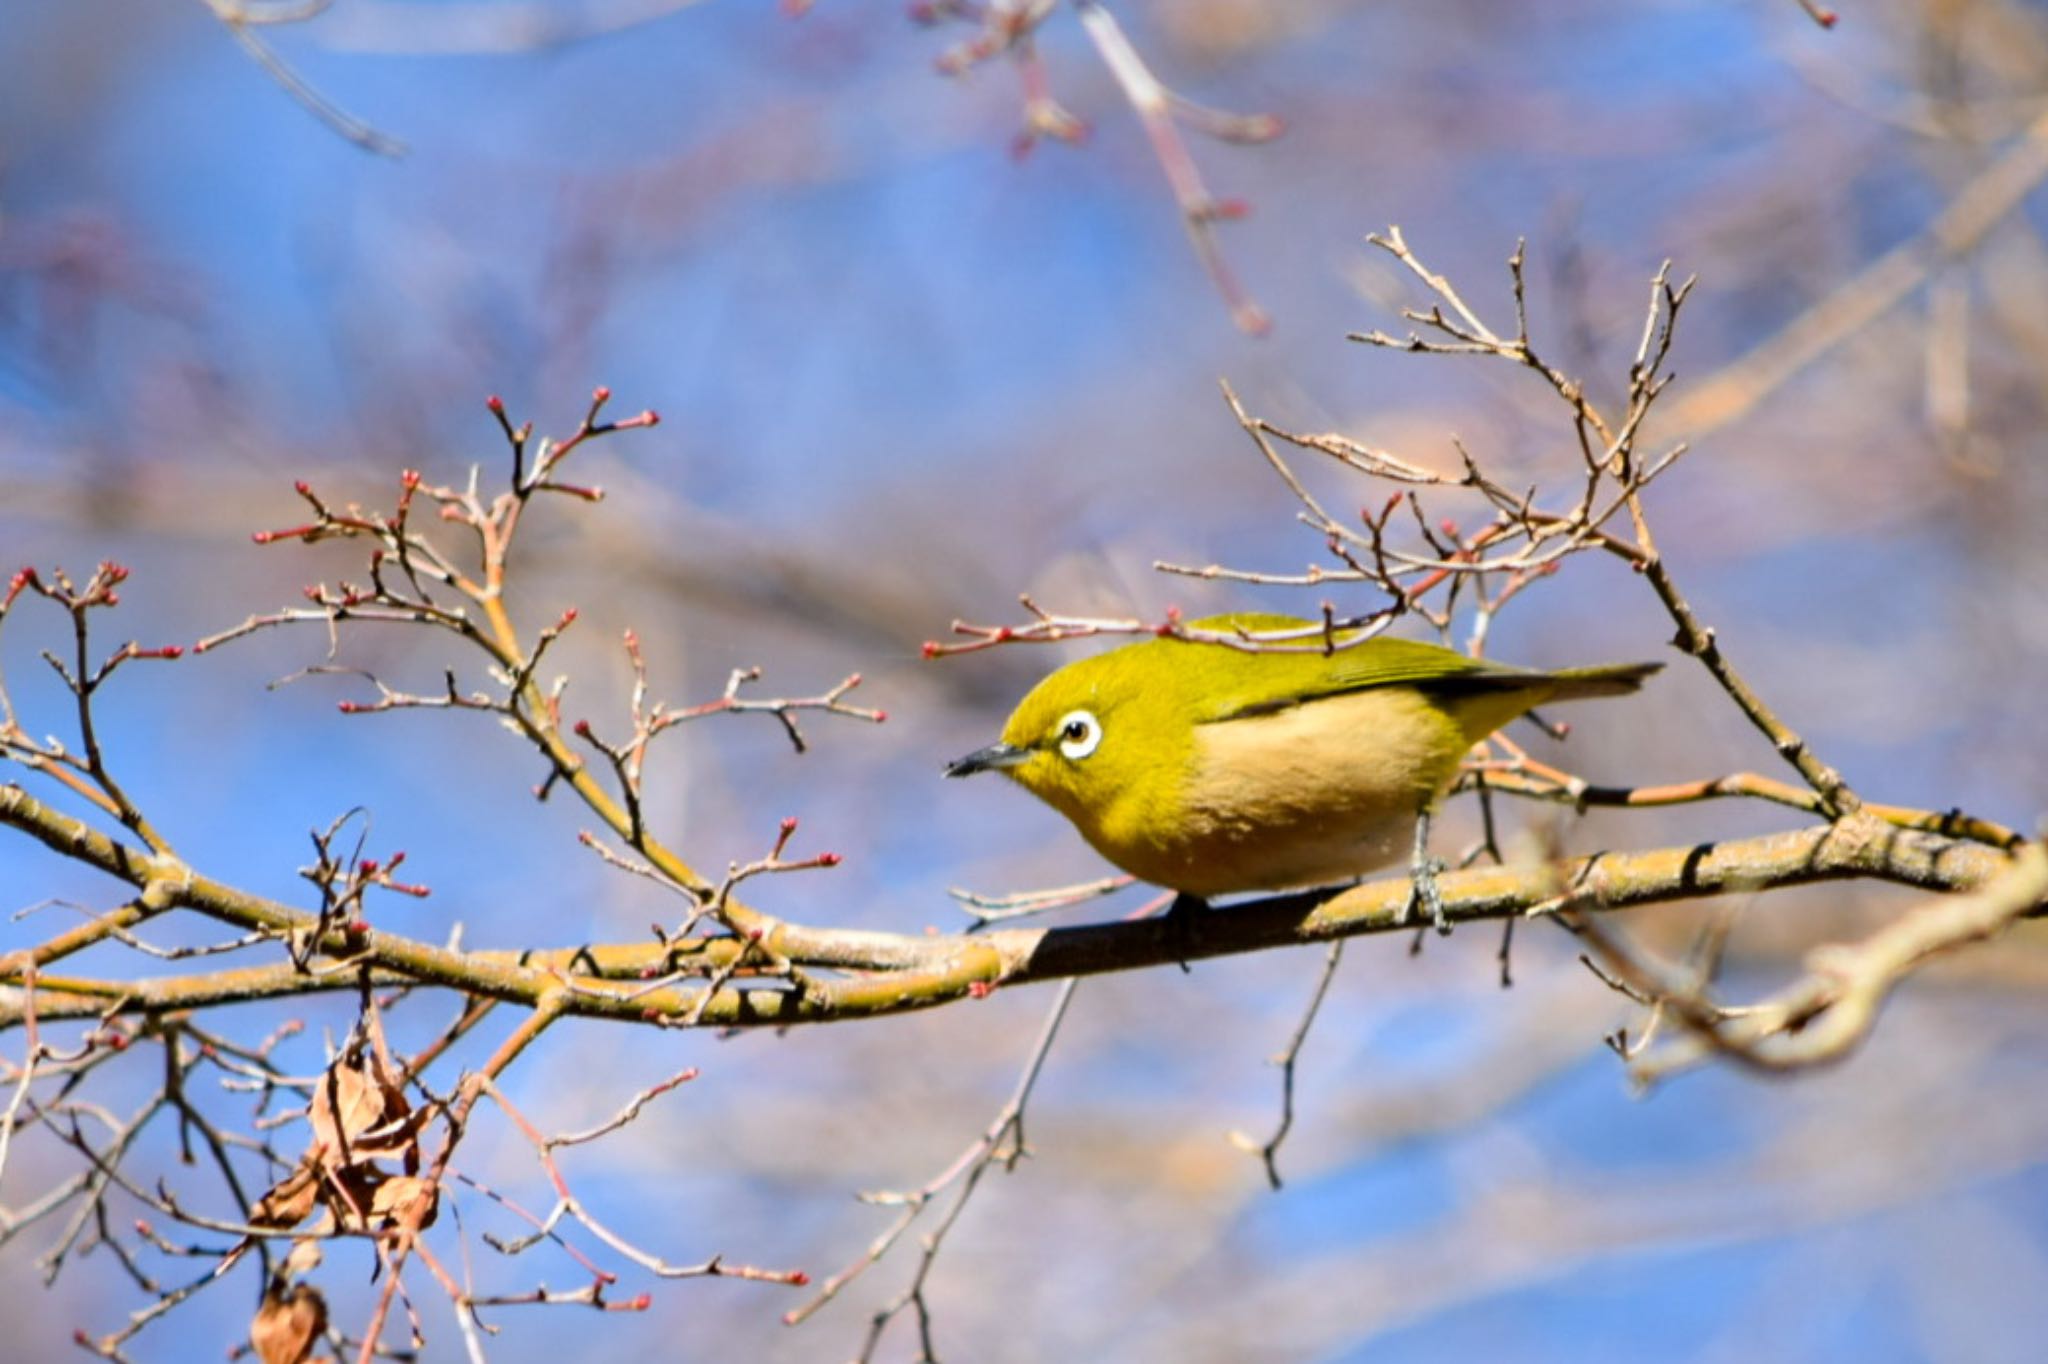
(1264, 682)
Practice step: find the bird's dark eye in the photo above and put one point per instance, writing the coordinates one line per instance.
(1079, 733)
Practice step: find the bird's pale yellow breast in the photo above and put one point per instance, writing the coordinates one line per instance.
(1307, 795)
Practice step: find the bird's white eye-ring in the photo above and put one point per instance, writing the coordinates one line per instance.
(1080, 732)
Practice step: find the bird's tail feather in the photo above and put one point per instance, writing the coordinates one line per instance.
(1605, 679)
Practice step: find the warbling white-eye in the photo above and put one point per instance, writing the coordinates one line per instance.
(1207, 769)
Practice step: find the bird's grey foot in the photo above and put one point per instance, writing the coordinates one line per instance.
(1423, 871)
(1425, 893)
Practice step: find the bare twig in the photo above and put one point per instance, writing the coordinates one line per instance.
(1001, 1142)
(1268, 1151)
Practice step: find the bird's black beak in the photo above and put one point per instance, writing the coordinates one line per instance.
(991, 759)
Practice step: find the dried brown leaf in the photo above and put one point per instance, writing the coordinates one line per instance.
(288, 1324)
(406, 1200)
(359, 1111)
(290, 1200)
(350, 1193)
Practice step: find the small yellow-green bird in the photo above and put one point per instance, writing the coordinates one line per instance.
(1209, 770)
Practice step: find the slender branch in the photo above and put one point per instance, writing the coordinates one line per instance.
(239, 20)
(1268, 1151)
(1824, 1015)
(1160, 110)
(1539, 781)
(26, 1072)
(1001, 1141)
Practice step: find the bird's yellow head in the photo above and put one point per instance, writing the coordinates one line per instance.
(1103, 739)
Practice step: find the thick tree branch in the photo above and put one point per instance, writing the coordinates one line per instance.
(900, 973)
